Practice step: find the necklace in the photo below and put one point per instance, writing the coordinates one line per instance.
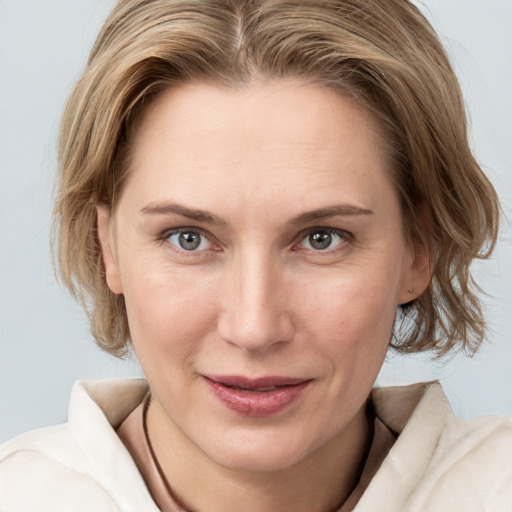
(171, 503)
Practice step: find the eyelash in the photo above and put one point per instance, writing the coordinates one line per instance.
(343, 235)
(165, 237)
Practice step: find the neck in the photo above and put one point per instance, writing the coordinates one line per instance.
(320, 482)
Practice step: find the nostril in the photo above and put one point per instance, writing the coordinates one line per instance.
(256, 335)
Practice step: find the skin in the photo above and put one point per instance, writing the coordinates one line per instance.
(257, 298)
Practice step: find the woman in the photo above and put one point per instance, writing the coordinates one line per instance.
(249, 191)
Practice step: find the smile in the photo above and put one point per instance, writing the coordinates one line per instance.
(256, 398)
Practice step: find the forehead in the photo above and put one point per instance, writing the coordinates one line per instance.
(279, 140)
(299, 111)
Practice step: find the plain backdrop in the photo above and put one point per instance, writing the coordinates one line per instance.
(45, 344)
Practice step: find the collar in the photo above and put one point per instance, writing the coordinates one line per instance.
(96, 408)
(418, 413)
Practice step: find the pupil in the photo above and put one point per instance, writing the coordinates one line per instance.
(189, 240)
(320, 240)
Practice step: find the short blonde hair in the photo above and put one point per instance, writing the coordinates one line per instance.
(381, 53)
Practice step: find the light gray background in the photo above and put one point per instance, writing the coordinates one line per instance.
(44, 340)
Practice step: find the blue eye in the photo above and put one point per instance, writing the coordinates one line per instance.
(322, 239)
(188, 240)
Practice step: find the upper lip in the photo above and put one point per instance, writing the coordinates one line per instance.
(256, 383)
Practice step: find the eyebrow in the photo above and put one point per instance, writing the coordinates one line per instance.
(342, 210)
(184, 211)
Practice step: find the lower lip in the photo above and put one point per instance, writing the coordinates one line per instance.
(257, 404)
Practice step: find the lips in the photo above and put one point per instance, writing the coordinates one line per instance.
(256, 398)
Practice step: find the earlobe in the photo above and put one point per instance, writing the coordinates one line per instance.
(109, 259)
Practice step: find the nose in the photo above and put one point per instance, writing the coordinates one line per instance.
(255, 304)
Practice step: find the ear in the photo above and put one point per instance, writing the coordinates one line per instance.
(418, 270)
(417, 274)
(108, 255)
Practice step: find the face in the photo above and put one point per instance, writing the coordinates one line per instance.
(259, 246)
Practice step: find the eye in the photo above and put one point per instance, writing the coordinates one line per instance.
(323, 239)
(188, 240)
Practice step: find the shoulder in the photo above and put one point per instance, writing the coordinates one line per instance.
(81, 465)
(472, 463)
(441, 462)
(483, 436)
(45, 468)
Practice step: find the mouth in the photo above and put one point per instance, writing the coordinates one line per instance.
(256, 398)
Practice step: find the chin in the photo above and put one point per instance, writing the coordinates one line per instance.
(257, 453)
(258, 461)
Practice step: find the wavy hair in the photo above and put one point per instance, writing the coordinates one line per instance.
(383, 54)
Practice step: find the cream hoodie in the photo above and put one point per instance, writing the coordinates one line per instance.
(438, 463)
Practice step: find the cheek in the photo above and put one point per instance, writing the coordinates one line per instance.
(351, 306)
(350, 317)
(169, 310)
(351, 321)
